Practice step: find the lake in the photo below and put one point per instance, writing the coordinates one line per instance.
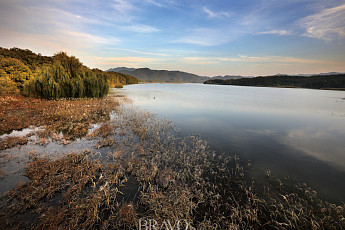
(298, 133)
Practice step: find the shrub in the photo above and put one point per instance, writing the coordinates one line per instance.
(15, 70)
(7, 86)
(118, 85)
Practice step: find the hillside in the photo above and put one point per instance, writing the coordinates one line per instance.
(148, 75)
(59, 76)
(336, 81)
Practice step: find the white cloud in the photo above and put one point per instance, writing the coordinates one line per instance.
(129, 59)
(205, 37)
(123, 6)
(154, 3)
(213, 14)
(254, 59)
(280, 59)
(141, 52)
(140, 28)
(88, 38)
(276, 32)
(206, 59)
(327, 24)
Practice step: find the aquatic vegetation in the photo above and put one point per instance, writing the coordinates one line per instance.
(71, 117)
(173, 178)
(10, 142)
(70, 192)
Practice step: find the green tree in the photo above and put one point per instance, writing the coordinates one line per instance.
(67, 77)
(15, 70)
(7, 86)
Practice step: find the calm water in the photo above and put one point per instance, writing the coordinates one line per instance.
(292, 132)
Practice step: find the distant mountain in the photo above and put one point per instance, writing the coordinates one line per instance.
(149, 75)
(226, 77)
(310, 75)
(324, 81)
(119, 69)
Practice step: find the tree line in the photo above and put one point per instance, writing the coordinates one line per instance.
(59, 76)
(336, 81)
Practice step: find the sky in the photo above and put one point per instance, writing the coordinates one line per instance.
(205, 37)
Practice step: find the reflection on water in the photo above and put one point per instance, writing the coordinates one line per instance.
(295, 132)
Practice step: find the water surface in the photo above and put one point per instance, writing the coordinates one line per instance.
(291, 132)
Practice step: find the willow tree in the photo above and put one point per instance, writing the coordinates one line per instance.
(67, 77)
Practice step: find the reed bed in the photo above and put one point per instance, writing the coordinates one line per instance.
(174, 178)
(72, 117)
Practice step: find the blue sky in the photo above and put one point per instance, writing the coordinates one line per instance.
(215, 37)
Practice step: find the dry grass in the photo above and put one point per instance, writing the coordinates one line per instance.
(104, 131)
(72, 192)
(10, 142)
(179, 179)
(71, 117)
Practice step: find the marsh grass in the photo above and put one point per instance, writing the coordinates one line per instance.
(10, 142)
(72, 117)
(72, 192)
(173, 178)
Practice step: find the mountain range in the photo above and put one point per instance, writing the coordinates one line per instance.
(166, 76)
(149, 75)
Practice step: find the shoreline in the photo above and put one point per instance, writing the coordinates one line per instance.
(283, 87)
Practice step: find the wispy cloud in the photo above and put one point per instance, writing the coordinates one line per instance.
(277, 32)
(164, 3)
(142, 52)
(205, 60)
(129, 59)
(280, 59)
(205, 37)
(154, 3)
(140, 28)
(327, 24)
(50, 28)
(213, 14)
(89, 38)
(257, 59)
(123, 6)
